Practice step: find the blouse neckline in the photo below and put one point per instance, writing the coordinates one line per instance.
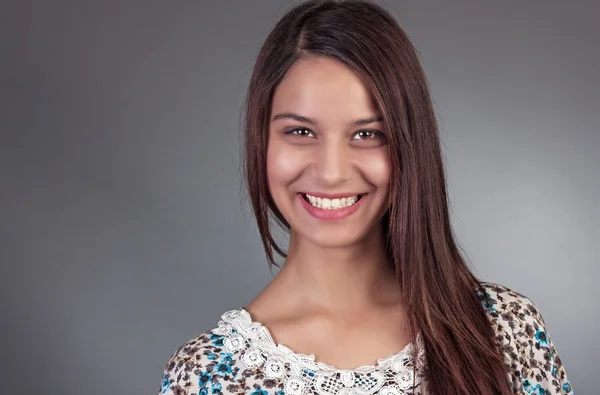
(253, 344)
(404, 352)
(254, 335)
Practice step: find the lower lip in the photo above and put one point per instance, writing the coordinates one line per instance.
(332, 214)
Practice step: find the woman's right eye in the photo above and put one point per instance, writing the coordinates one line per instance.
(299, 132)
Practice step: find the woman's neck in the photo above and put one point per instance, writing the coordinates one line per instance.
(342, 280)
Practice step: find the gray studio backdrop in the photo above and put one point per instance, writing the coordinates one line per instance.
(122, 233)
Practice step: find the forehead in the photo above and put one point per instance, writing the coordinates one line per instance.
(321, 87)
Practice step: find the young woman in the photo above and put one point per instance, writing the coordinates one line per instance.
(342, 150)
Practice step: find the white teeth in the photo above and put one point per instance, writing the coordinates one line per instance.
(332, 204)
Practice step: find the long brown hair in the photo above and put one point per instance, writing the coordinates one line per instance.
(441, 294)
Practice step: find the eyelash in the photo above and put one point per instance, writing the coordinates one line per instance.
(377, 133)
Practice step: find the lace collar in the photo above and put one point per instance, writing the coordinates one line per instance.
(395, 374)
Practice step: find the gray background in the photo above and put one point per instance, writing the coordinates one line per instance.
(123, 233)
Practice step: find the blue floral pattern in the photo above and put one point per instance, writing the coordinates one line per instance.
(202, 366)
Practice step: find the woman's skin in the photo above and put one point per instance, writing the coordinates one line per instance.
(336, 295)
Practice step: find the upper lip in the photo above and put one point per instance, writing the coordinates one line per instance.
(332, 196)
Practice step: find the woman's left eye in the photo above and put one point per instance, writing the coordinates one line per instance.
(369, 135)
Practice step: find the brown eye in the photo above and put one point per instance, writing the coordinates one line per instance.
(369, 135)
(300, 132)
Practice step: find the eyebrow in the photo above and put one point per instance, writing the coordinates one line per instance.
(300, 118)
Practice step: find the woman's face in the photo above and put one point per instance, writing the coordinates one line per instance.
(326, 141)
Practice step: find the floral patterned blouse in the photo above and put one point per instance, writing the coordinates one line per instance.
(239, 356)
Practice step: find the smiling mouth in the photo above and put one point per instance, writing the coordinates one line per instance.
(331, 204)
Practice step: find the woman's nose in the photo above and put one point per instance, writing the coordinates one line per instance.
(332, 164)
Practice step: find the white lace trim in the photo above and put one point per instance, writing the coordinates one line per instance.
(392, 375)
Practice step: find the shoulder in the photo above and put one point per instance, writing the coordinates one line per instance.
(201, 366)
(521, 332)
(499, 300)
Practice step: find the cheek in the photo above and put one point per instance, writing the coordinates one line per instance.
(377, 169)
(284, 165)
